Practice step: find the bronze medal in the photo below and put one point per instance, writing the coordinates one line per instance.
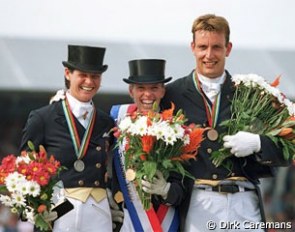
(130, 174)
(79, 166)
(212, 134)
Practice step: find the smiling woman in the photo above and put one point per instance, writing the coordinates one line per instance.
(83, 86)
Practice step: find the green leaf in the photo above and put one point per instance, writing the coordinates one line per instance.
(41, 224)
(3, 188)
(150, 169)
(31, 145)
(167, 164)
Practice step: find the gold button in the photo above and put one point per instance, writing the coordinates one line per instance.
(81, 182)
(98, 148)
(214, 176)
(209, 150)
(98, 165)
(233, 174)
(96, 183)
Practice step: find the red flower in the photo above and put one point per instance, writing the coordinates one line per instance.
(142, 157)
(35, 167)
(50, 168)
(41, 208)
(42, 178)
(8, 163)
(23, 168)
(147, 143)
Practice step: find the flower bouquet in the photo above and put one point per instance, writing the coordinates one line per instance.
(156, 141)
(27, 184)
(259, 107)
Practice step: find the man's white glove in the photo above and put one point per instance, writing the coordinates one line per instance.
(117, 214)
(243, 143)
(159, 186)
(60, 95)
(49, 216)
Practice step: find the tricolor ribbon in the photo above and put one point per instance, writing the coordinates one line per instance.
(80, 147)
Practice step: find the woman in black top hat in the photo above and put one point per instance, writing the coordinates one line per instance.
(146, 86)
(60, 125)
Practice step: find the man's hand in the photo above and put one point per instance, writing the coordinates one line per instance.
(117, 214)
(243, 143)
(60, 95)
(159, 186)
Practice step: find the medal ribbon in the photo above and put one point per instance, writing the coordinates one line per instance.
(211, 111)
(80, 148)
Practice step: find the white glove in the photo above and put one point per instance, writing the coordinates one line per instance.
(242, 144)
(117, 214)
(49, 216)
(60, 95)
(159, 186)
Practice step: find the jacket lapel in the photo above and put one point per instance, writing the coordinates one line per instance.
(227, 92)
(191, 93)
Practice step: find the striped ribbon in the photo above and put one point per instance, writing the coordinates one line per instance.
(212, 110)
(80, 147)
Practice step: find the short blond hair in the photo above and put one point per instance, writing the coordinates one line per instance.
(211, 22)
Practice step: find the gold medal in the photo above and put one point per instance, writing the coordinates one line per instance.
(79, 166)
(130, 174)
(212, 134)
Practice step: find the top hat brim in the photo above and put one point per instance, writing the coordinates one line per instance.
(85, 68)
(130, 81)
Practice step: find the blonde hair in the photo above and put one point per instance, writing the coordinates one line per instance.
(211, 22)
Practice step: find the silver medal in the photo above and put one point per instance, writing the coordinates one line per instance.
(79, 165)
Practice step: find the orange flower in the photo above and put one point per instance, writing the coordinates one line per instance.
(168, 114)
(276, 82)
(285, 131)
(147, 143)
(41, 208)
(196, 137)
(185, 157)
(42, 155)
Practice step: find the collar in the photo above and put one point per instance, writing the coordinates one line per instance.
(79, 108)
(212, 84)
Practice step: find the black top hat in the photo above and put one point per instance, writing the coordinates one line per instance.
(86, 59)
(147, 71)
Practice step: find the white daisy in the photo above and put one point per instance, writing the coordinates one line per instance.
(5, 200)
(18, 199)
(33, 188)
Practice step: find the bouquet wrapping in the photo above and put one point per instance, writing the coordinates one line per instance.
(259, 107)
(27, 183)
(156, 141)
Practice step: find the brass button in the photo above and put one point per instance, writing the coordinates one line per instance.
(233, 174)
(81, 182)
(98, 165)
(209, 150)
(98, 148)
(214, 176)
(96, 183)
